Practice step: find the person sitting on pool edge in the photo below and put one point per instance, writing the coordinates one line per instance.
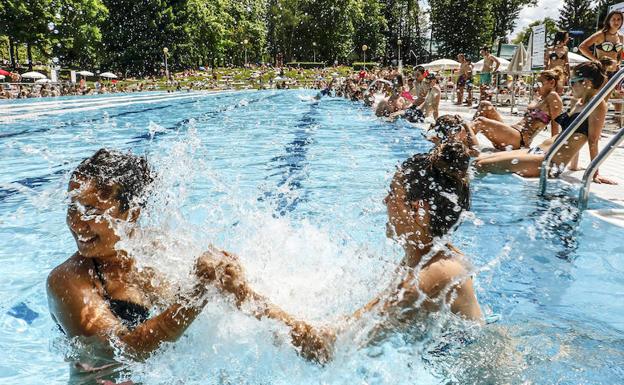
(427, 196)
(430, 105)
(503, 136)
(99, 292)
(587, 79)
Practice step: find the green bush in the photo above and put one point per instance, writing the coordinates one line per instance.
(306, 64)
(360, 65)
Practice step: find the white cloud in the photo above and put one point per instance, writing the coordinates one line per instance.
(544, 8)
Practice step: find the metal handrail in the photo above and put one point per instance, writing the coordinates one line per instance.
(567, 134)
(588, 176)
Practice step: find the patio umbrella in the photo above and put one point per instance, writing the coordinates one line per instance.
(85, 73)
(33, 75)
(517, 61)
(4, 73)
(1, 77)
(40, 81)
(576, 59)
(109, 75)
(504, 63)
(529, 62)
(442, 64)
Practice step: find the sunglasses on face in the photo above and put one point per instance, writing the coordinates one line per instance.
(576, 80)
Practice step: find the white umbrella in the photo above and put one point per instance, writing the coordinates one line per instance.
(34, 75)
(1, 77)
(109, 75)
(517, 61)
(40, 81)
(504, 63)
(85, 73)
(576, 59)
(528, 64)
(442, 64)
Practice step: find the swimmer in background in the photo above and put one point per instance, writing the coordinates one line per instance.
(587, 79)
(100, 295)
(419, 89)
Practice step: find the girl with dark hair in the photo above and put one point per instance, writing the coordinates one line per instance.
(427, 196)
(557, 56)
(609, 41)
(100, 294)
(586, 81)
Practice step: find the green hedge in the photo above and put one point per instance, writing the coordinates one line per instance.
(360, 65)
(306, 64)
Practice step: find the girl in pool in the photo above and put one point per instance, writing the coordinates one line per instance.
(100, 294)
(427, 196)
(585, 82)
(557, 56)
(520, 135)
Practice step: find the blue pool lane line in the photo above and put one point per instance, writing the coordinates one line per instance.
(23, 312)
(292, 165)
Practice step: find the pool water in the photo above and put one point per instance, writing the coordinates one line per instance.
(295, 188)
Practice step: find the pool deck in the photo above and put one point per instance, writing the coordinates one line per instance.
(611, 168)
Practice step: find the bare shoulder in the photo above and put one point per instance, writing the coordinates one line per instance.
(439, 275)
(72, 273)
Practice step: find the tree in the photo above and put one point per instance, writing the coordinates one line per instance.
(26, 21)
(77, 35)
(577, 15)
(524, 35)
(505, 14)
(471, 30)
(370, 25)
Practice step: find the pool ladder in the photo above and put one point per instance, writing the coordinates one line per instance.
(588, 176)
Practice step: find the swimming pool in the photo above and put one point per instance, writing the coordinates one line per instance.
(295, 187)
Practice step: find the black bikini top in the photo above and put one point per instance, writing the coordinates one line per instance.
(129, 313)
(566, 119)
(553, 56)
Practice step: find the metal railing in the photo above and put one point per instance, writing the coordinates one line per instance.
(588, 176)
(567, 134)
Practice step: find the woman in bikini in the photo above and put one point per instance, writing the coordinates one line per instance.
(490, 123)
(586, 81)
(557, 56)
(101, 296)
(608, 42)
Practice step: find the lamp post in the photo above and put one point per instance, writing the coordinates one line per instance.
(166, 53)
(364, 48)
(400, 62)
(245, 42)
(314, 50)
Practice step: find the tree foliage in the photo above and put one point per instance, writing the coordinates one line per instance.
(129, 35)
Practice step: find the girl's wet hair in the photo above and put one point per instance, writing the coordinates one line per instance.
(447, 126)
(593, 71)
(555, 74)
(440, 179)
(605, 26)
(126, 175)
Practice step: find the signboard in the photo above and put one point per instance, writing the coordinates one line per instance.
(617, 7)
(538, 46)
(54, 75)
(72, 76)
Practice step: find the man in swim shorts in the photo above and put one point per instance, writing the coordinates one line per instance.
(485, 80)
(464, 79)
